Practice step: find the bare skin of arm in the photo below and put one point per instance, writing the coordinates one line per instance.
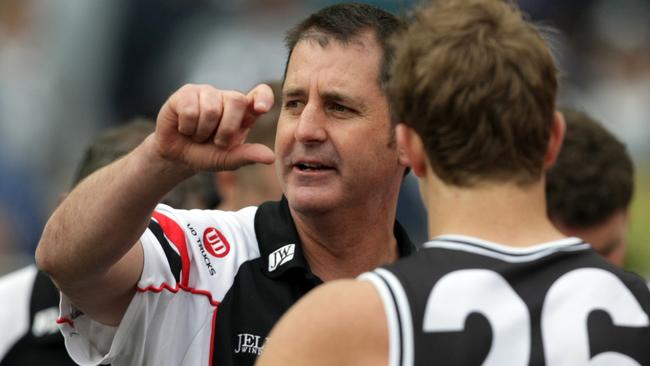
(88, 245)
(339, 323)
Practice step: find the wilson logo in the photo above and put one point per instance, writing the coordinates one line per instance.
(215, 243)
(281, 256)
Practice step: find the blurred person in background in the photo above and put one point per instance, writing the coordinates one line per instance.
(29, 301)
(474, 86)
(147, 284)
(590, 187)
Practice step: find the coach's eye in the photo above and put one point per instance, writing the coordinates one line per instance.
(294, 106)
(295, 103)
(341, 109)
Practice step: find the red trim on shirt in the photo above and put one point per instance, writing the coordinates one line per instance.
(214, 324)
(177, 288)
(64, 320)
(176, 234)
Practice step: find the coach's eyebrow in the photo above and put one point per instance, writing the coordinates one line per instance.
(334, 96)
(294, 93)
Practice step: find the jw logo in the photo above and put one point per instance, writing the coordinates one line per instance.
(281, 256)
(250, 343)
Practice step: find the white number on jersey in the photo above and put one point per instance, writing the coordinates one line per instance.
(564, 328)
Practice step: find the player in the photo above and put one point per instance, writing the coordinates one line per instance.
(590, 187)
(474, 85)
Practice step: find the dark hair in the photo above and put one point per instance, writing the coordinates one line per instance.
(344, 23)
(477, 83)
(593, 176)
(113, 143)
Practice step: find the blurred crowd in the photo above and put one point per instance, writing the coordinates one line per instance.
(71, 68)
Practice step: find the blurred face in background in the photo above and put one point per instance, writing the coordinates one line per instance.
(607, 238)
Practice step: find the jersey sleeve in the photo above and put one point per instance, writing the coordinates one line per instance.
(190, 262)
(398, 315)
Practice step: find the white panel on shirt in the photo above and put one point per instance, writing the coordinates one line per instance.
(15, 293)
(168, 324)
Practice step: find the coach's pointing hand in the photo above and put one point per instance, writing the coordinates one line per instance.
(204, 128)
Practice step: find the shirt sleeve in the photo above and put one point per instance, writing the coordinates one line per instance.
(190, 261)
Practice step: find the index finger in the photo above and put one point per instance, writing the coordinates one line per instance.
(261, 99)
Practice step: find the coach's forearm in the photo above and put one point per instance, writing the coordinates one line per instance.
(105, 215)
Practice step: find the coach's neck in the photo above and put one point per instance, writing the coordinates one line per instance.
(348, 242)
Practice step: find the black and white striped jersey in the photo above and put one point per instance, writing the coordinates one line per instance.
(213, 285)
(465, 301)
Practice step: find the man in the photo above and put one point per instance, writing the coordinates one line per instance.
(193, 287)
(29, 300)
(475, 85)
(590, 187)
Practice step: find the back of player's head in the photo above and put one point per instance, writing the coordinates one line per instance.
(345, 23)
(477, 83)
(593, 177)
(111, 144)
(115, 142)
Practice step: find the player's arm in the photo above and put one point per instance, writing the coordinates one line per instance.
(88, 247)
(339, 323)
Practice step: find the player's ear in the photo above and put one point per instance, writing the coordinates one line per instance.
(411, 149)
(555, 140)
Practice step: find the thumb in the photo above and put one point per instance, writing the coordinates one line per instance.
(247, 154)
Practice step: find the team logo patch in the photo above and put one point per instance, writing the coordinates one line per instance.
(281, 256)
(215, 243)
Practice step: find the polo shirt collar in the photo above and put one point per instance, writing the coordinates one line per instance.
(280, 247)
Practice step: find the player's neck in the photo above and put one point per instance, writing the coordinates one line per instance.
(346, 244)
(502, 213)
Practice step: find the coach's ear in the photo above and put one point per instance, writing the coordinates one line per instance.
(555, 140)
(412, 149)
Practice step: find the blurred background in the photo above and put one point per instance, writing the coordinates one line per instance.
(70, 68)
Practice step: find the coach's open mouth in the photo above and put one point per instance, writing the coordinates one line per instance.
(307, 167)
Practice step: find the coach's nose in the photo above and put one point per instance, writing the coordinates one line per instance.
(311, 126)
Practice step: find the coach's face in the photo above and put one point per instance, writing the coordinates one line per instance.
(334, 147)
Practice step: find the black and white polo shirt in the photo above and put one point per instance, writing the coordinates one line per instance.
(213, 285)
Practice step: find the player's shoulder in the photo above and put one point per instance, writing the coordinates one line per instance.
(344, 316)
(351, 297)
(340, 303)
